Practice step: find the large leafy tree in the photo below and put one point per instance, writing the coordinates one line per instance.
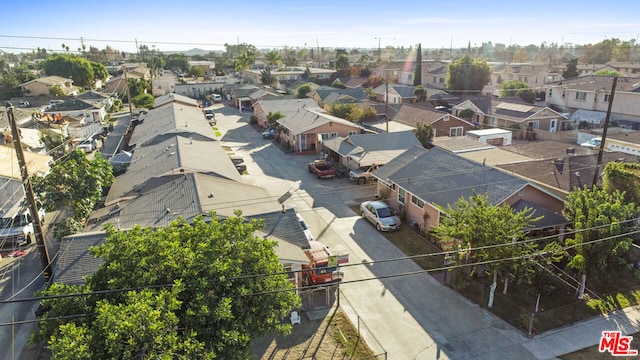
(598, 219)
(77, 68)
(494, 232)
(625, 177)
(342, 65)
(178, 61)
(303, 90)
(143, 100)
(468, 75)
(351, 112)
(519, 89)
(74, 184)
(206, 289)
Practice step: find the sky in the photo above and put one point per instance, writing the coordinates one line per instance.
(183, 25)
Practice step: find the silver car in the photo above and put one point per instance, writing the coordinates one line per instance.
(381, 215)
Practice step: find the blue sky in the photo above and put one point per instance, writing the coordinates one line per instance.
(182, 25)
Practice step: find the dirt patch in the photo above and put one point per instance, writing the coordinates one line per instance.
(331, 337)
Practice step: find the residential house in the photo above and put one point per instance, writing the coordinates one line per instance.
(360, 150)
(395, 94)
(351, 82)
(246, 96)
(98, 97)
(198, 90)
(443, 123)
(419, 181)
(207, 67)
(174, 99)
(137, 70)
(564, 174)
(118, 85)
(434, 73)
(534, 75)
(42, 86)
(326, 96)
(592, 93)
(307, 129)
(512, 113)
(92, 110)
(286, 107)
(286, 75)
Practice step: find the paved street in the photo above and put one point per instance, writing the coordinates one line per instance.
(412, 317)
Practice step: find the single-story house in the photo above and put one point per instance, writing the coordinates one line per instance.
(43, 85)
(306, 130)
(360, 150)
(419, 180)
(287, 106)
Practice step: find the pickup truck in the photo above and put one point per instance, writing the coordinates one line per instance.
(322, 169)
(362, 176)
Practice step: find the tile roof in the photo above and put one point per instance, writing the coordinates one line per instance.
(440, 177)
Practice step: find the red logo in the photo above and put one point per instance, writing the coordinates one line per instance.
(616, 344)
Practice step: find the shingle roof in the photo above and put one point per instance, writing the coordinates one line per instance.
(174, 154)
(442, 178)
(172, 119)
(481, 102)
(367, 149)
(288, 106)
(285, 228)
(75, 260)
(162, 200)
(549, 219)
(593, 83)
(305, 120)
(172, 97)
(74, 105)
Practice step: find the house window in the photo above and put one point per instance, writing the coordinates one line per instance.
(441, 80)
(581, 95)
(607, 97)
(351, 132)
(325, 136)
(456, 131)
(290, 274)
(334, 135)
(435, 81)
(493, 121)
(402, 195)
(521, 193)
(417, 202)
(550, 92)
(533, 124)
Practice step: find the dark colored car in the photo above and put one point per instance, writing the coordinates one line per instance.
(270, 134)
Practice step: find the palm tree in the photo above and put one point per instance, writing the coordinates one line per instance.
(273, 58)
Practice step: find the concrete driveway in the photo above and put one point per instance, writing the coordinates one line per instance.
(411, 317)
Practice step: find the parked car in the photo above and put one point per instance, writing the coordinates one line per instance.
(210, 116)
(322, 169)
(269, 134)
(87, 145)
(216, 97)
(380, 214)
(593, 143)
(305, 228)
(363, 175)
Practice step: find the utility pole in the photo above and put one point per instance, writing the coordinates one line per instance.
(30, 197)
(604, 133)
(386, 99)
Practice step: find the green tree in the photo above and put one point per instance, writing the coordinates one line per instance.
(143, 101)
(71, 66)
(207, 290)
(99, 71)
(425, 134)
(494, 232)
(467, 75)
(624, 177)
(53, 142)
(273, 117)
(74, 184)
(607, 73)
(519, 89)
(596, 217)
(244, 61)
(196, 72)
(56, 90)
(178, 62)
(572, 69)
(520, 55)
(266, 77)
(273, 58)
(342, 65)
(417, 79)
(421, 93)
(303, 90)
(467, 114)
(351, 112)
(138, 86)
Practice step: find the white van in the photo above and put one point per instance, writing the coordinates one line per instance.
(216, 97)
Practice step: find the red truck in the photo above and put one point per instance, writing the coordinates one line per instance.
(322, 169)
(323, 266)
